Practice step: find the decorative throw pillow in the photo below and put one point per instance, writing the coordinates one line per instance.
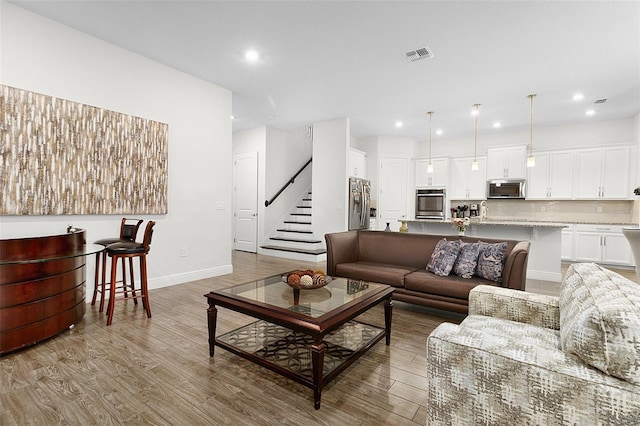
(600, 320)
(443, 257)
(491, 261)
(467, 260)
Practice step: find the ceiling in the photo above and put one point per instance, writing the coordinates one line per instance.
(321, 60)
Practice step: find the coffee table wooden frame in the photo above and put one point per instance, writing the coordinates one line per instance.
(317, 328)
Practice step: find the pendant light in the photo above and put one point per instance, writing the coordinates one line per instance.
(430, 165)
(474, 163)
(531, 160)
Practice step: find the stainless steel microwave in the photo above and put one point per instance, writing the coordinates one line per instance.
(506, 189)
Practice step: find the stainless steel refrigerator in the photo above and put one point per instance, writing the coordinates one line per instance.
(359, 194)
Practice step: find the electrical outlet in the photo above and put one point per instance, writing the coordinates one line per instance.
(599, 209)
(183, 252)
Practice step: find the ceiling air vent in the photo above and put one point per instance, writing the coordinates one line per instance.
(600, 101)
(416, 55)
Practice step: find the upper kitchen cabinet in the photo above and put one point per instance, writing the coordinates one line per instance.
(551, 177)
(467, 184)
(507, 162)
(603, 173)
(439, 177)
(356, 164)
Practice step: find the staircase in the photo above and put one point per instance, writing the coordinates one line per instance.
(294, 238)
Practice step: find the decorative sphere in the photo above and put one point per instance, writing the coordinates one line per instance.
(293, 279)
(306, 281)
(319, 279)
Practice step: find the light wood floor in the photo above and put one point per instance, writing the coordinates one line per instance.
(158, 370)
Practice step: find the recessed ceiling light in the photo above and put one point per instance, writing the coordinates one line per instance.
(578, 97)
(590, 112)
(232, 117)
(439, 132)
(399, 124)
(497, 125)
(251, 56)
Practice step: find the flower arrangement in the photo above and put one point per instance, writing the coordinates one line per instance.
(460, 223)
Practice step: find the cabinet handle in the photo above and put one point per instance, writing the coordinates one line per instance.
(604, 240)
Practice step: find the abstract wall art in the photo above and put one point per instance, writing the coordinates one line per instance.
(59, 157)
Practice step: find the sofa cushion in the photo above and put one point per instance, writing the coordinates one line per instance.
(443, 257)
(375, 272)
(491, 259)
(467, 260)
(600, 320)
(451, 286)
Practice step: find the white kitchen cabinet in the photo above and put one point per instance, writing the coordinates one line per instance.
(439, 177)
(603, 173)
(508, 162)
(567, 242)
(602, 244)
(356, 164)
(392, 192)
(552, 176)
(467, 184)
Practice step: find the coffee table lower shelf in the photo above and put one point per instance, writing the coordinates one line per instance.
(289, 353)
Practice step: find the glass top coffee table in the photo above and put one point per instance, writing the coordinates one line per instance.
(307, 335)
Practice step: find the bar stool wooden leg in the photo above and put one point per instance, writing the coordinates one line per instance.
(96, 283)
(145, 289)
(104, 281)
(112, 289)
(133, 285)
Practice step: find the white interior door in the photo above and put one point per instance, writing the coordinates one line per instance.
(246, 201)
(392, 202)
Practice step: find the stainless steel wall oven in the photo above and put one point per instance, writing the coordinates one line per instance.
(431, 203)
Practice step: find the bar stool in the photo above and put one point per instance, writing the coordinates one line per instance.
(128, 232)
(129, 250)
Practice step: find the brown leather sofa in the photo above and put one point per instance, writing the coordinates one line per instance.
(400, 260)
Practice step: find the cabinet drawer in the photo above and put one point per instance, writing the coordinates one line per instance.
(599, 228)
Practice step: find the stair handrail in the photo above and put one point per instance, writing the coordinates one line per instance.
(289, 182)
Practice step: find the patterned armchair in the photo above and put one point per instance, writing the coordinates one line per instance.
(525, 359)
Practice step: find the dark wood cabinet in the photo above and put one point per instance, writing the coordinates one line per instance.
(42, 287)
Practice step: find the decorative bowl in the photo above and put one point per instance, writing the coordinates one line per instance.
(306, 279)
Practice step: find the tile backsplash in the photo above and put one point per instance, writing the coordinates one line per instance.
(613, 212)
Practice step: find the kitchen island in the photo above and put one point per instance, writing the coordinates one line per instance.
(545, 237)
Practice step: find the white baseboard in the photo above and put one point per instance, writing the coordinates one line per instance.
(186, 277)
(544, 275)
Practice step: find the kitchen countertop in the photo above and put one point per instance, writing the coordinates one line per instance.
(494, 222)
(532, 223)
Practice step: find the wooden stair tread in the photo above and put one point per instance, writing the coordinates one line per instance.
(297, 223)
(294, 250)
(294, 240)
(293, 230)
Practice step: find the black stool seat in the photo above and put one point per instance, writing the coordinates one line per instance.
(106, 241)
(125, 248)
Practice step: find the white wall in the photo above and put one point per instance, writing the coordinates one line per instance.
(330, 145)
(46, 57)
